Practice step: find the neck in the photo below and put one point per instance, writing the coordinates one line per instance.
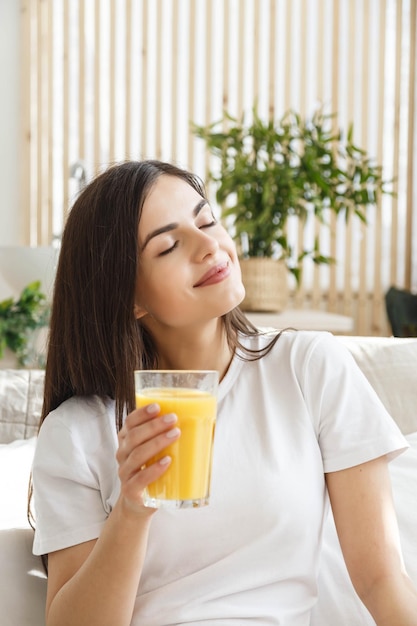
(202, 348)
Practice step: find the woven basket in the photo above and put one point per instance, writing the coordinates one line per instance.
(266, 284)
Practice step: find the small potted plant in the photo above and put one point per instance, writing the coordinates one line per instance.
(19, 321)
(268, 171)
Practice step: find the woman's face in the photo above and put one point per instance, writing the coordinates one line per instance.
(188, 266)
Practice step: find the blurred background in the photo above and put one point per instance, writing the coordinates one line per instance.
(87, 83)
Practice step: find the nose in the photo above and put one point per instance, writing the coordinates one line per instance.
(205, 244)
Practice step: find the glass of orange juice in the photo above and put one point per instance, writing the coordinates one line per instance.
(192, 396)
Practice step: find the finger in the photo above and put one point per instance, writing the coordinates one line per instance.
(138, 457)
(140, 416)
(133, 488)
(144, 432)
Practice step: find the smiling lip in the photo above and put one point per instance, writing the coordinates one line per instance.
(214, 275)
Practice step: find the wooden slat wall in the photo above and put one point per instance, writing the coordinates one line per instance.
(105, 80)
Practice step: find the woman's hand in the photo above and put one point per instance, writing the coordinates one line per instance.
(144, 435)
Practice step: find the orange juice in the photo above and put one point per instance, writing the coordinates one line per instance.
(188, 476)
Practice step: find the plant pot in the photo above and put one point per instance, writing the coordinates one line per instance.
(266, 284)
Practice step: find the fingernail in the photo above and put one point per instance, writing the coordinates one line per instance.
(165, 460)
(173, 432)
(169, 418)
(152, 408)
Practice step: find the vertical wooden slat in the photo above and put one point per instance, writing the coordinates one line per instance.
(97, 85)
(256, 56)
(128, 80)
(378, 313)
(65, 106)
(351, 82)
(50, 155)
(81, 79)
(144, 84)
(34, 128)
(394, 217)
(272, 58)
(241, 55)
(208, 69)
(362, 296)
(208, 59)
(39, 125)
(175, 82)
(288, 63)
(303, 57)
(112, 83)
(159, 80)
(335, 60)
(321, 25)
(320, 65)
(290, 104)
(335, 68)
(191, 83)
(301, 290)
(225, 94)
(410, 151)
(226, 66)
(43, 125)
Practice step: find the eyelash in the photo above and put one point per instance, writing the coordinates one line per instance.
(213, 223)
(172, 248)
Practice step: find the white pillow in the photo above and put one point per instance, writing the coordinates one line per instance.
(15, 465)
(21, 397)
(390, 365)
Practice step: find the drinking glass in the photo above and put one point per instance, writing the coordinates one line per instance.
(192, 396)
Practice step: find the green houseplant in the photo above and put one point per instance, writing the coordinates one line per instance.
(268, 171)
(19, 320)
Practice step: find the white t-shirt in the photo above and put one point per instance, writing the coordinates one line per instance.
(251, 556)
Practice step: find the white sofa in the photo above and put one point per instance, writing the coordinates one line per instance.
(391, 367)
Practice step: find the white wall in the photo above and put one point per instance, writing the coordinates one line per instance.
(10, 213)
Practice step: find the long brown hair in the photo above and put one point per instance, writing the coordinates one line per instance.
(95, 341)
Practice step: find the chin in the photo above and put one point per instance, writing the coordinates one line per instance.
(234, 300)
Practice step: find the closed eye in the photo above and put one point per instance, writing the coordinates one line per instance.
(213, 223)
(169, 250)
(175, 245)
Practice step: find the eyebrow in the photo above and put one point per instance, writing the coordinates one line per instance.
(172, 225)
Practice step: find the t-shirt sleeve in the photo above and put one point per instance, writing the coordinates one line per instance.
(351, 422)
(71, 495)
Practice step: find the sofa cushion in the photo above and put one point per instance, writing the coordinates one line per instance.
(22, 577)
(15, 465)
(22, 580)
(21, 397)
(390, 365)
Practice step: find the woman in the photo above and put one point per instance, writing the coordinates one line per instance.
(147, 278)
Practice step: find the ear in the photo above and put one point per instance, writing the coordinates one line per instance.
(139, 312)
